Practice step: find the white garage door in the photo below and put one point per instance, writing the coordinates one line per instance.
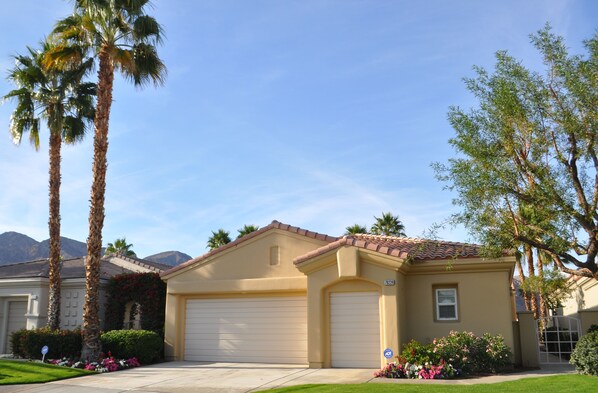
(355, 330)
(16, 320)
(252, 330)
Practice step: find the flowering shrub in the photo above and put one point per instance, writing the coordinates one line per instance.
(103, 365)
(472, 354)
(146, 289)
(459, 353)
(415, 352)
(413, 371)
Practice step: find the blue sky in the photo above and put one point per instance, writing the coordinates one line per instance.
(319, 114)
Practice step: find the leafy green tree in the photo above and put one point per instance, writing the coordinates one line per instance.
(355, 229)
(218, 239)
(124, 38)
(246, 230)
(120, 246)
(388, 225)
(66, 103)
(551, 287)
(526, 176)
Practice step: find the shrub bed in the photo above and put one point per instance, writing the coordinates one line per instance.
(142, 344)
(459, 353)
(585, 354)
(61, 343)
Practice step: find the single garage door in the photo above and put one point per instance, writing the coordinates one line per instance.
(252, 330)
(355, 330)
(16, 320)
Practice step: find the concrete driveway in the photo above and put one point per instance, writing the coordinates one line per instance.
(186, 377)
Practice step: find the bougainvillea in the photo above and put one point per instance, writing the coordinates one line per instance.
(146, 289)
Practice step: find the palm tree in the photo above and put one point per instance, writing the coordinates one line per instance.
(120, 246)
(355, 229)
(388, 225)
(246, 230)
(121, 36)
(67, 105)
(218, 239)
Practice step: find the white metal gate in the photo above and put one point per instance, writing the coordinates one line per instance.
(557, 337)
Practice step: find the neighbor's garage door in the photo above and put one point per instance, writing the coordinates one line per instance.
(253, 330)
(16, 320)
(355, 330)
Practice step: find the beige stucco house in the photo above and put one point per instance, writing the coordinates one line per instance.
(583, 302)
(24, 291)
(283, 294)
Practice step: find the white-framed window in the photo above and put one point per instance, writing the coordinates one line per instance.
(446, 304)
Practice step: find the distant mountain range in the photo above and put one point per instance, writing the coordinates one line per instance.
(16, 247)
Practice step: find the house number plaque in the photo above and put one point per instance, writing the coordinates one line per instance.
(389, 283)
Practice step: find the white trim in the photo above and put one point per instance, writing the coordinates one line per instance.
(438, 317)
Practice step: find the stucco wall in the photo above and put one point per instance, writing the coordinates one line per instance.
(239, 271)
(483, 299)
(583, 297)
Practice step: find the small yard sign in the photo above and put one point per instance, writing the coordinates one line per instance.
(388, 353)
(44, 352)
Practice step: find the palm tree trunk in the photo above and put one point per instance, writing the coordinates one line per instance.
(529, 256)
(522, 276)
(543, 307)
(91, 321)
(54, 228)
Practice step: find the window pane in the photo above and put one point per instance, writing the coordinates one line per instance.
(446, 296)
(447, 312)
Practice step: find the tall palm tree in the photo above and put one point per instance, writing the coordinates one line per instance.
(246, 230)
(120, 246)
(67, 105)
(355, 229)
(122, 37)
(218, 239)
(388, 225)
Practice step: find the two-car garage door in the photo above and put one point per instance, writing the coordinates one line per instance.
(252, 330)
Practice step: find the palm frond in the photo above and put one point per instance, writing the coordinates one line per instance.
(146, 27)
(148, 66)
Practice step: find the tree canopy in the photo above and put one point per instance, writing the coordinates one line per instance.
(218, 239)
(526, 172)
(120, 246)
(388, 225)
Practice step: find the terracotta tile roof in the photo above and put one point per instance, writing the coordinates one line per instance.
(402, 247)
(273, 225)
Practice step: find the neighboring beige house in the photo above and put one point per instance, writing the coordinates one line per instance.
(583, 303)
(283, 294)
(24, 291)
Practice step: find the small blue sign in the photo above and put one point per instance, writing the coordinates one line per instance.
(44, 350)
(388, 353)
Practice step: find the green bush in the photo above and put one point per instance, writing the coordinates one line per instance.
(593, 328)
(416, 353)
(61, 343)
(585, 354)
(144, 345)
(472, 354)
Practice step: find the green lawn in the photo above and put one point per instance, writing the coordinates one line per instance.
(556, 384)
(14, 372)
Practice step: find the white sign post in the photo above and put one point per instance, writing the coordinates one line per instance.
(44, 352)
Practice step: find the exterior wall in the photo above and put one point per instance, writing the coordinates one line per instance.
(35, 292)
(348, 271)
(72, 298)
(406, 298)
(583, 297)
(483, 301)
(246, 270)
